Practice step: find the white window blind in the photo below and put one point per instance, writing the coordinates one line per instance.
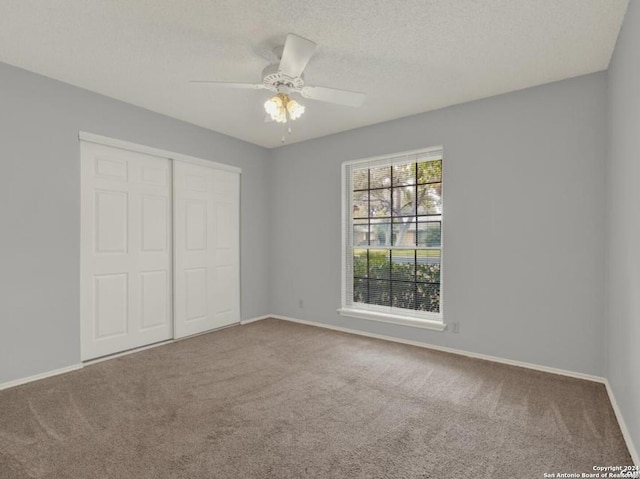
(392, 232)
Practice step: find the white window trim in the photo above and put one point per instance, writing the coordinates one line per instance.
(435, 324)
(433, 321)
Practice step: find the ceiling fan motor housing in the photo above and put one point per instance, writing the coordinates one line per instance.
(275, 79)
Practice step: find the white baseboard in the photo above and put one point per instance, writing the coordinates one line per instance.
(36, 377)
(623, 425)
(460, 352)
(253, 320)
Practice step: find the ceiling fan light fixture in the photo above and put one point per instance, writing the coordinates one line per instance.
(278, 106)
(273, 106)
(295, 109)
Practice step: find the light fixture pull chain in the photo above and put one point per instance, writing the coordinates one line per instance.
(288, 127)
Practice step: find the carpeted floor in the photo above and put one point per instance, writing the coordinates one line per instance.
(281, 400)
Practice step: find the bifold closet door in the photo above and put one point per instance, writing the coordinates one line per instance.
(126, 250)
(206, 252)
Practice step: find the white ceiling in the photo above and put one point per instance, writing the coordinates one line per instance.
(408, 56)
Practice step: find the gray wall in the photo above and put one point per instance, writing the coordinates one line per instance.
(40, 206)
(524, 233)
(524, 208)
(623, 213)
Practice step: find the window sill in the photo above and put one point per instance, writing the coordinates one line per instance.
(434, 324)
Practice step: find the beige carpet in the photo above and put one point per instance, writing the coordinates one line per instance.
(281, 400)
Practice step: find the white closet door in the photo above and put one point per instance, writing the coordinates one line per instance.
(206, 258)
(126, 251)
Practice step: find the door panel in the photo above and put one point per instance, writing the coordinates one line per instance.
(196, 294)
(206, 258)
(154, 289)
(224, 293)
(110, 168)
(111, 222)
(196, 225)
(126, 251)
(224, 226)
(111, 300)
(155, 227)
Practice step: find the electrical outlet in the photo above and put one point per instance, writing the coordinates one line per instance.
(300, 304)
(455, 327)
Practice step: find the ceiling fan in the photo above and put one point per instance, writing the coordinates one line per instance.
(286, 78)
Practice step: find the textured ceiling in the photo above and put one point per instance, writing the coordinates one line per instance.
(408, 56)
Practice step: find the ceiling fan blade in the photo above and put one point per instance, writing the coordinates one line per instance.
(224, 84)
(296, 54)
(331, 95)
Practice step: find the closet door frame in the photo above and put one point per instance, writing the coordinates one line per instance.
(173, 157)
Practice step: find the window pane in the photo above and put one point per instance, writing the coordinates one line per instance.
(360, 290)
(428, 266)
(404, 174)
(428, 297)
(360, 179)
(360, 204)
(379, 265)
(380, 233)
(404, 201)
(430, 199)
(404, 232)
(360, 232)
(403, 266)
(360, 268)
(403, 295)
(380, 204)
(429, 233)
(380, 177)
(379, 292)
(430, 171)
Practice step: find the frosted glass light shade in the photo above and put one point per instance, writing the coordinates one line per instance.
(278, 106)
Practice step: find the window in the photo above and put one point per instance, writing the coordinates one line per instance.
(392, 234)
